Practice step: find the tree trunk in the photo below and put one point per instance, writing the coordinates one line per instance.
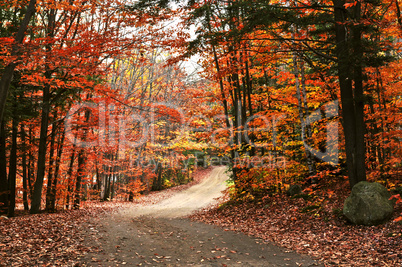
(81, 164)
(31, 160)
(352, 102)
(37, 193)
(78, 181)
(53, 194)
(51, 167)
(157, 183)
(113, 186)
(69, 176)
(106, 195)
(359, 97)
(12, 172)
(98, 185)
(24, 169)
(3, 172)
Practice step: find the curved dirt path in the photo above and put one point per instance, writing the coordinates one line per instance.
(155, 235)
(187, 201)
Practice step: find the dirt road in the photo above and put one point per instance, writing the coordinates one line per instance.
(155, 235)
(187, 201)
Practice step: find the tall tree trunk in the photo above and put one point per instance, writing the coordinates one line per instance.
(69, 176)
(51, 162)
(41, 167)
(157, 183)
(12, 172)
(78, 181)
(81, 163)
(24, 168)
(382, 107)
(3, 172)
(359, 97)
(352, 102)
(106, 193)
(31, 160)
(249, 86)
(112, 190)
(98, 184)
(53, 194)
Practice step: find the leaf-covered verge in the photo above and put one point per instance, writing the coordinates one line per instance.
(312, 223)
(60, 239)
(47, 239)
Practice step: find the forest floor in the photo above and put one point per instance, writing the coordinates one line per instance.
(273, 231)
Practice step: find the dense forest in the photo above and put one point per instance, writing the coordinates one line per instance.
(97, 101)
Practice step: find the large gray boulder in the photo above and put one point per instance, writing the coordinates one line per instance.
(368, 204)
